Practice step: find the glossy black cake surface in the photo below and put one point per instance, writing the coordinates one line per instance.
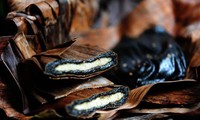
(151, 58)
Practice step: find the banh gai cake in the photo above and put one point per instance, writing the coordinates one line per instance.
(76, 62)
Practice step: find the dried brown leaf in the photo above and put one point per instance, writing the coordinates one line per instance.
(149, 13)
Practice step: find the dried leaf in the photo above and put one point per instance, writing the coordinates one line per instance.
(15, 5)
(84, 15)
(10, 100)
(186, 13)
(106, 38)
(149, 13)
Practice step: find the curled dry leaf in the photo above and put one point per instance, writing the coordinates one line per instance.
(167, 110)
(186, 13)
(47, 114)
(84, 15)
(147, 14)
(184, 99)
(193, 68)
(191, 33)
(142, 117)
(15, 5)
(183, 95)
(106, 38)
(8, 101)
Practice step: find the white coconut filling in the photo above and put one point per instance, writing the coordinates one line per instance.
(100, 101)
(82, 66)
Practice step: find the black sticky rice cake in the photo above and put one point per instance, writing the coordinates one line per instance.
(75, 62)
(151, 58)
(83, 103)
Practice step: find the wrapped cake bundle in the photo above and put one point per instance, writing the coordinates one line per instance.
(40, 81)
(58, 72)
(42, 77)
(39, 85)
(86, 102)
(75, 61)
(67, 63)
